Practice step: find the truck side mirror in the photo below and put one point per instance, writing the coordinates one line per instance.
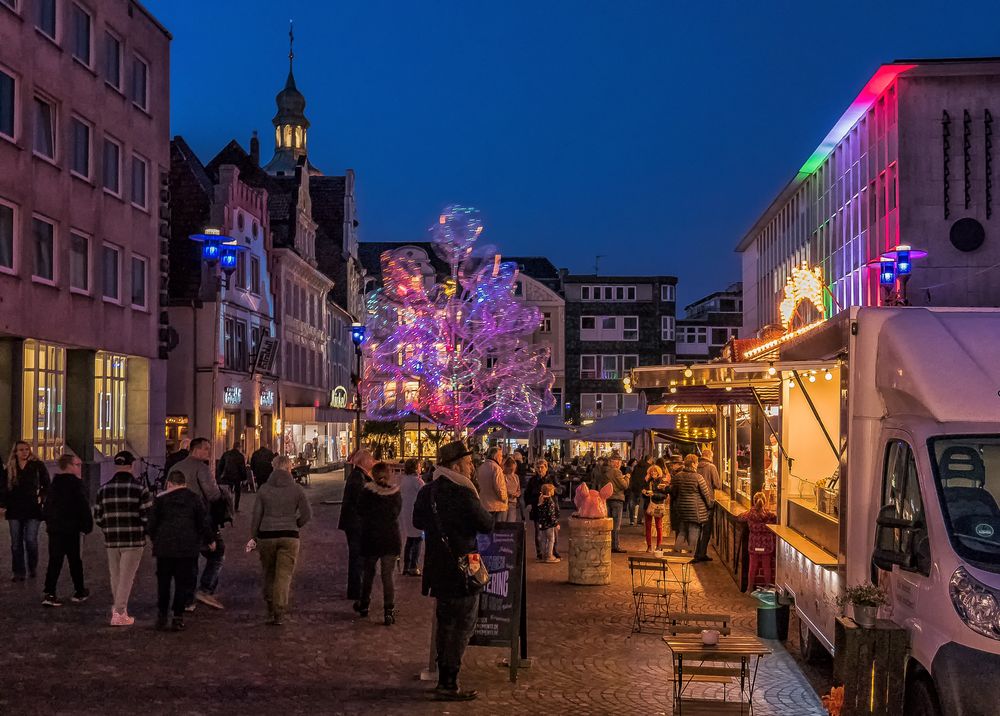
(894, 543)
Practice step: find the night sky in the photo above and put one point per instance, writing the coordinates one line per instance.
(651, 132)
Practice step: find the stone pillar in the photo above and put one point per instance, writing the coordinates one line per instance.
(590, 550)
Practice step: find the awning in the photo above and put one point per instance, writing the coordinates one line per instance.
(323, 414)
(626, 424)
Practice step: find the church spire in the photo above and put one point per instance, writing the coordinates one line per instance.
(290, 123)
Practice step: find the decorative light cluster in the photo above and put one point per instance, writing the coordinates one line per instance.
(803, 285)
(457, 353)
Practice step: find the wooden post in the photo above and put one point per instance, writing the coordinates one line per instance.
(870, 664)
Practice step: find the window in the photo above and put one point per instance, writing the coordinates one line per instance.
(111, 272)
(109, 402)
(138, 282)
(692, 334)
(140, 77)
(518, 288)
(609, 328)
(45, 137)
(901, 491)
(80, 160)
(667, 328)
(546, 323)
(12, 4)
(6, 237)
(42, 234)
(668, 292)
(609, 368)
(588, 367)
(241, 270)
(46, 21)
(228, 343)
(255, 274)
(139, 182)
(43, 388)
(607, 293)
(585, 293)
(113, 60)
(112, 166)
(629, 362)
(79, 262)
(667, 359)
(241, 348)
(630, 328)
(8, 96)
(720, 336)
(80, 23)
(587, 323)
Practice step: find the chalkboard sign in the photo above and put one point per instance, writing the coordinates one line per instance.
(502, 618)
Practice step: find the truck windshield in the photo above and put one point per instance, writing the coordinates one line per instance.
(967, 471)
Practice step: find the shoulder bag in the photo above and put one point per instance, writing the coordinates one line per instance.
(470, 565)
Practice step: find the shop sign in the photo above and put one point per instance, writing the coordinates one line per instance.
(267, 399)
(266, 354)
(232, 395)
(338, 397)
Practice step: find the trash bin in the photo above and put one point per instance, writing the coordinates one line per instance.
(772, 614)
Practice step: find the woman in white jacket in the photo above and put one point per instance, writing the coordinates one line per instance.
(408, 488)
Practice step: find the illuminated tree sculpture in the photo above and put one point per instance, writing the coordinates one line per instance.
(458, 352)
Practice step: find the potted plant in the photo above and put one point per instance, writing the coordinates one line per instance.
(865, 599)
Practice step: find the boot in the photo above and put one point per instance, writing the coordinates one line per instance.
(390, 616)
(360, 608)
(447, 688)
(161, 621)
(177, 624)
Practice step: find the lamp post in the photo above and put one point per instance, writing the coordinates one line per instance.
(894, 269)
(218, 251)
(358, 337)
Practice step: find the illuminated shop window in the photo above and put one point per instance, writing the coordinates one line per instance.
(109, 402)
(44, 384)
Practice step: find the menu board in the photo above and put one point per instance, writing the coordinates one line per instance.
(502, 619)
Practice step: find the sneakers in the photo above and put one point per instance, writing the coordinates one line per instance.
(121, 619)
(361, 609)
(210, 600)
(80, 597)
(51, 600)
(552, 560)
(390, 617)
(275, 619)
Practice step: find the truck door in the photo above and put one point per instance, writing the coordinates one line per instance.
(902, 560)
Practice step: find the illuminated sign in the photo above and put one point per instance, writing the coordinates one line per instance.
(232, 395)
(338, 397)
(804, 284)
(267, 399)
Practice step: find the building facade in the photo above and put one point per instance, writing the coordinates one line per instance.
(84, 147)
(216, 387)
(708, 325)
(613, 324)
(911, 161)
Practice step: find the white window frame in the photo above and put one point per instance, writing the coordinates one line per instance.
(54, 115)
(145, 182)
(89, 62)
(668, 327)
(12, 4)
(44, 375)
(584, 293)
(17, 105)
(591, 372)
(117, 249)
(623, 328)
(118, 194)
(546, 326)
(90, 148)
(14, 236)
(87, 263)
(55, 19)
(668, 358)
(55, 242)
(110, 401)
(145, 278)
(668, 292)
(144, 106)
(630, 398)
(121, 60)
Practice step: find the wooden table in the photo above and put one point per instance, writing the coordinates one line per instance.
(689, 661)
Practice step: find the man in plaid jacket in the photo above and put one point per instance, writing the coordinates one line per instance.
(122, 510)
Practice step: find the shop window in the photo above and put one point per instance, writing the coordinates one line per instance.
(109, 402)
(44, 384)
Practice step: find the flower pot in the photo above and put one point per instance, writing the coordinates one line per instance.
(865, 615)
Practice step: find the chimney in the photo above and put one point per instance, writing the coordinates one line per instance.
(255, 149)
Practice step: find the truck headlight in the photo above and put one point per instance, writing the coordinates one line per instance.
(975, 603)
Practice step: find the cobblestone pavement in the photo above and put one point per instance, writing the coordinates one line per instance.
(327, 661)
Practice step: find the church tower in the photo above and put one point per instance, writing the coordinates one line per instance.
(290, 125)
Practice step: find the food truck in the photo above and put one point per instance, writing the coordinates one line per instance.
(888, 434)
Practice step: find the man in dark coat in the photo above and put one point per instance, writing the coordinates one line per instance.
(634, 502)
(67, 516)
(260, 464)
(450, 513)
(232, 471)
(358, 473)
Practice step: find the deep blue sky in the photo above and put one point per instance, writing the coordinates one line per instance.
(652, 132)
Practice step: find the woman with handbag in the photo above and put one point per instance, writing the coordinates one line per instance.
(658, 492)
(692, 496)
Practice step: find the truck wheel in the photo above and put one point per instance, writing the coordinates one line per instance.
(921, 699)
(810, 648)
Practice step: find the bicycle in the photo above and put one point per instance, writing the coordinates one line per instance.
(157, 483)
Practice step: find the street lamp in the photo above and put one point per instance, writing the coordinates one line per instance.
(358, 337)
(894, 269)
(217, 250)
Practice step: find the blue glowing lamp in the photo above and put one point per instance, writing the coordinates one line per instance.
(904, 255)
(210, 250)
(214, 246)
(228, 259)
(887, 272)
(357, 333)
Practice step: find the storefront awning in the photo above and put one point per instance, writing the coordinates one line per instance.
(626, 424)
(307, 414)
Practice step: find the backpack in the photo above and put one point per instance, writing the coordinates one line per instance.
(222, 510)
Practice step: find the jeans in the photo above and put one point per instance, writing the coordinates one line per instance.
(633, 505)
(122, 564)
(615, 508)
(64, 545)
(513, 511)
(278, 556)
(456, 620)
(213, 566)
(355, 564)
(687, 535)
(387, 564)
(24, 541)
(411, 553)
(547, 538)
(706, 534)
(180, 572)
